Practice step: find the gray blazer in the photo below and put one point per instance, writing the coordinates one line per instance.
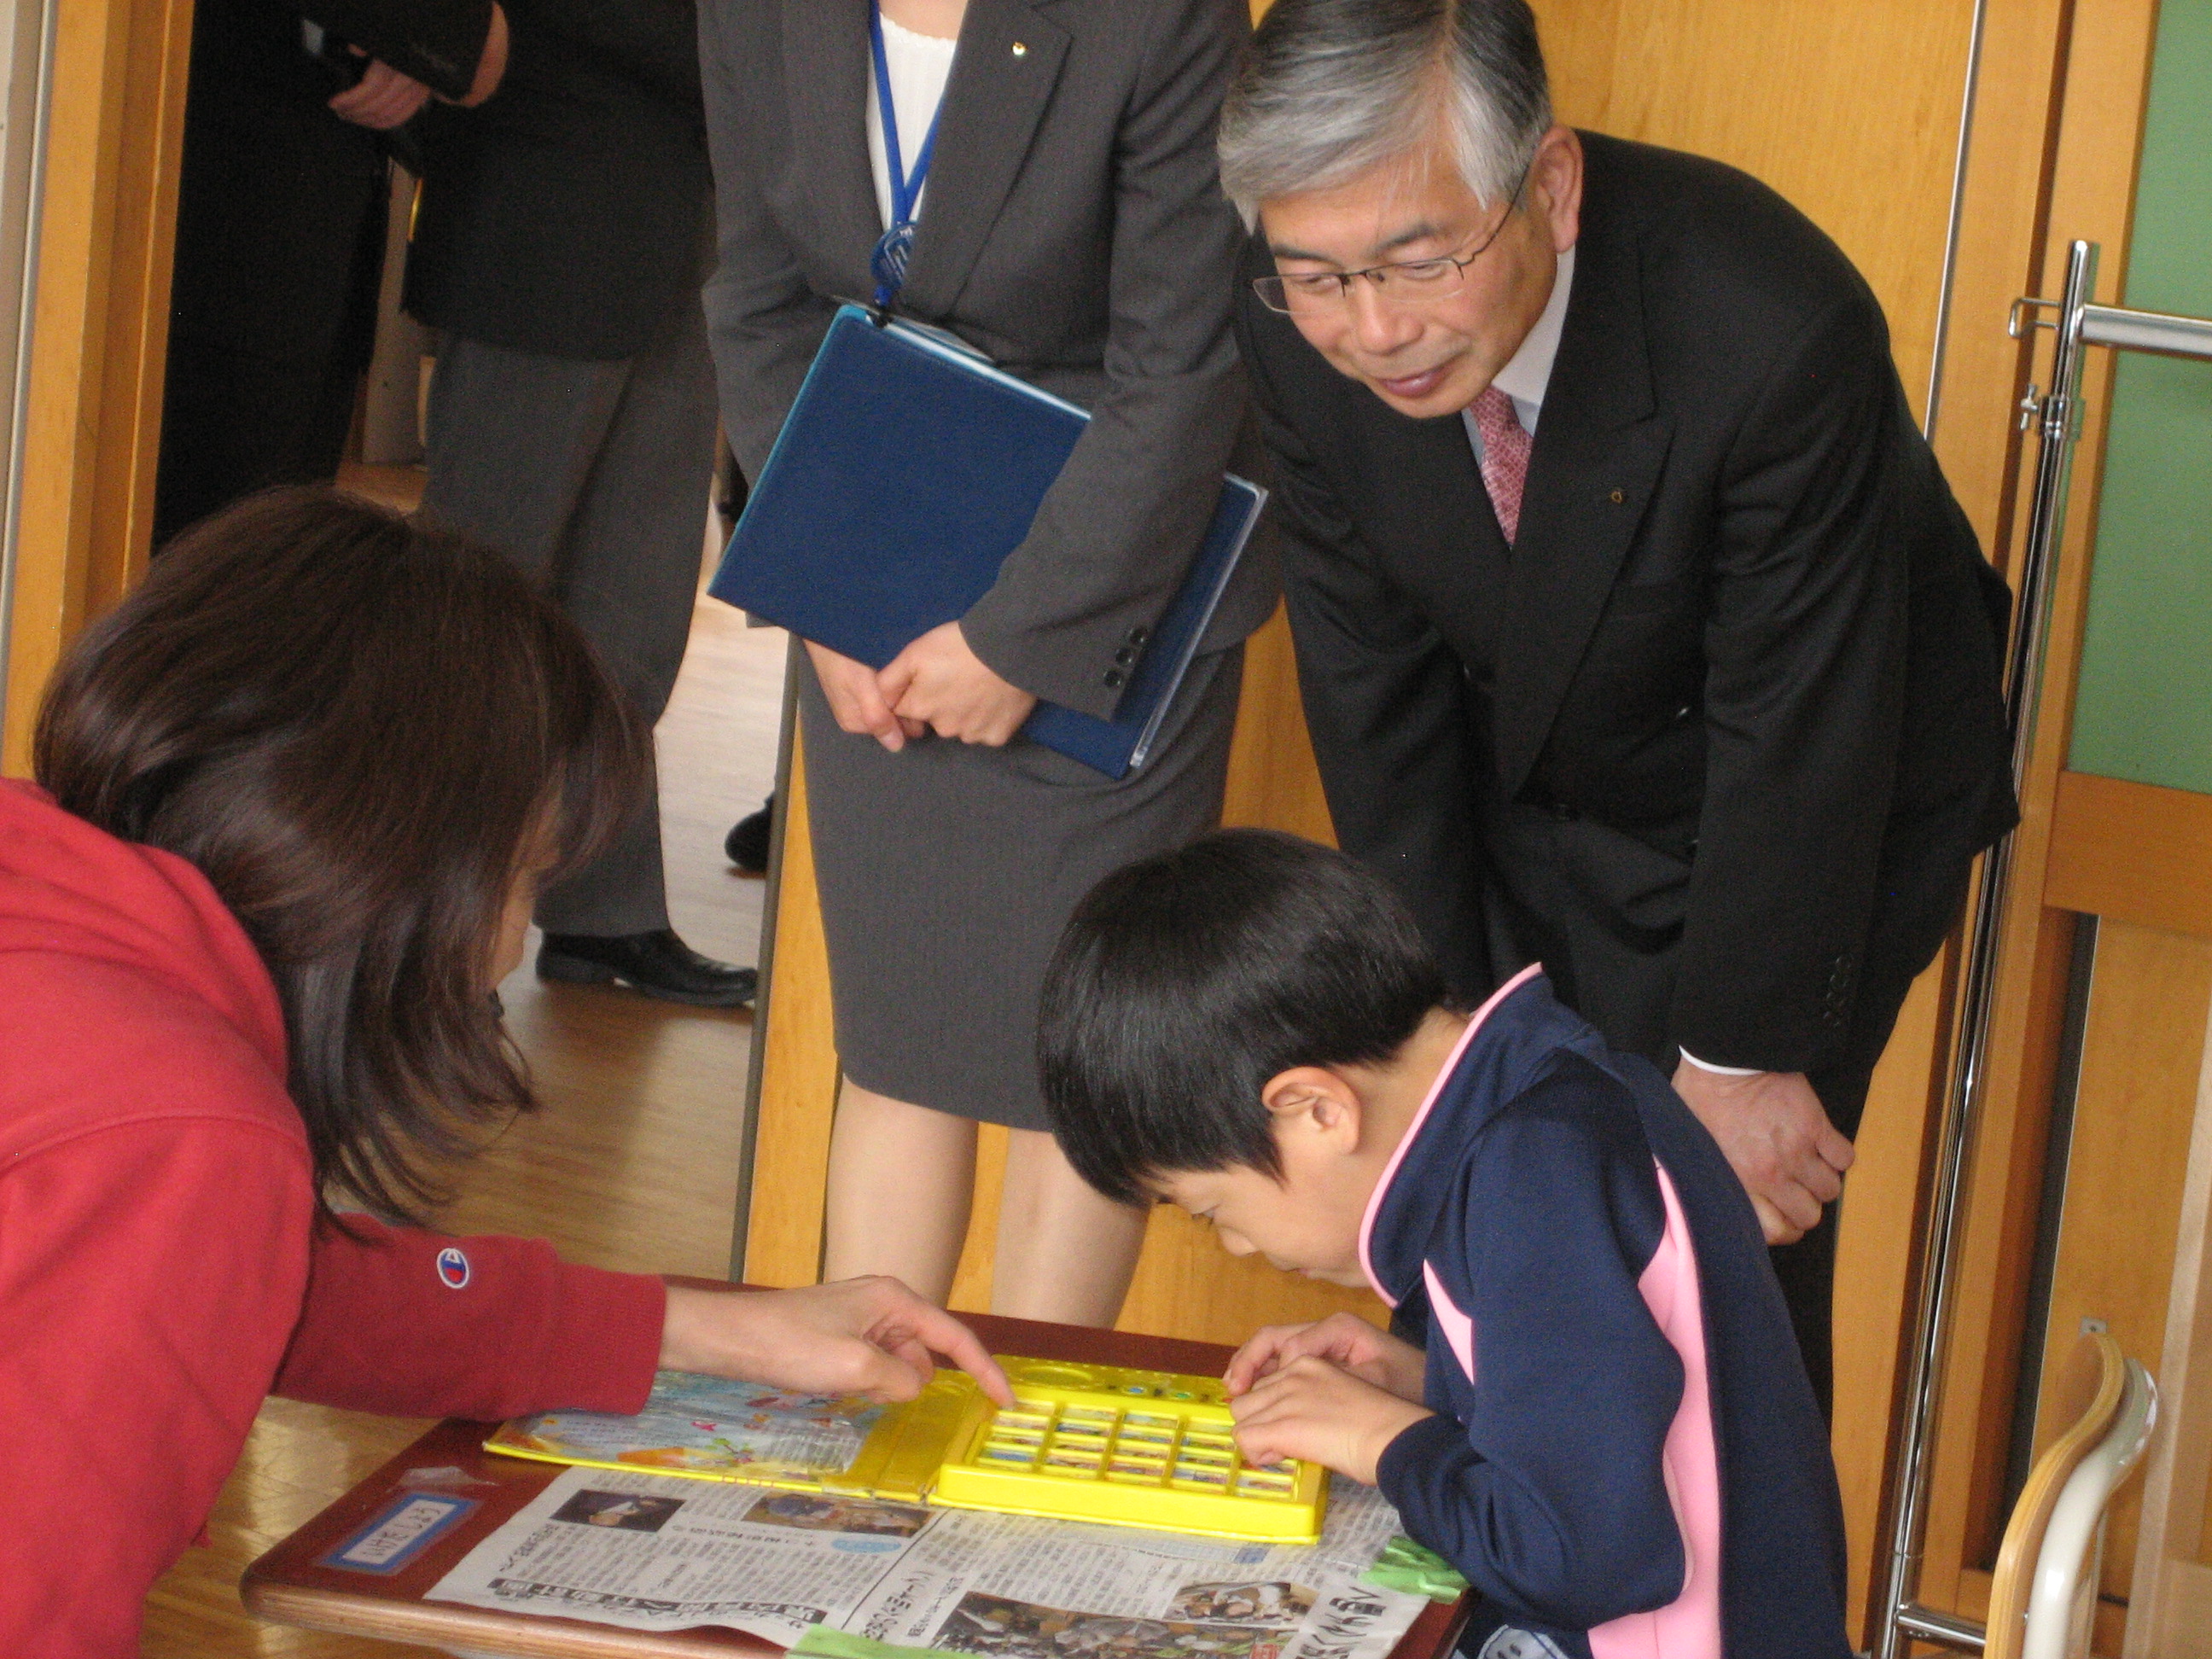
(1073, 228)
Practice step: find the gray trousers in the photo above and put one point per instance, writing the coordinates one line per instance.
(593, 476)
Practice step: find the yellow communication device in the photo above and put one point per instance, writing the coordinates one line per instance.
(1129, 1448)
(1081, 1443)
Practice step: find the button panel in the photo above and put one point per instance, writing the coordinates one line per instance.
(1142, 1448)
(1155, 1448)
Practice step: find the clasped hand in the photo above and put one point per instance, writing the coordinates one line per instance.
(1335, 1392)
(936, 684)
(1778, 1141)
(384, 97)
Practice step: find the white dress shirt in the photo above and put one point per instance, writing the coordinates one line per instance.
(1523, 378)
(918, 65)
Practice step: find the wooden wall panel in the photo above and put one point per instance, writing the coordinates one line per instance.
(799, 1072)
(2132, 851)
(1875, 1259)
(1852, 111)
(1273, 781)
(2002, 235)
(2142, 1050)
(99, 331)
(2170, 1599)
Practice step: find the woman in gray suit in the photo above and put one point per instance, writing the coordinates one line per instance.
(1064, 218)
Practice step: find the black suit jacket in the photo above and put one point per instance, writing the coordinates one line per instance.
(1744, 619)
(567, 214)
(279, 232)
(1073, 228)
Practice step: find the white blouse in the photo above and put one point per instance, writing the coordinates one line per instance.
(918, 65)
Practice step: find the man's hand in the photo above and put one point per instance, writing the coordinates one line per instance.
(857, 700)
(1344, 1341)
(1312, 1409)
(1778, 1141)
(871, 1337)
(939, 681)
(383, 98)
(491, 63)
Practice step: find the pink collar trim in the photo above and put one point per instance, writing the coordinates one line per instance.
(1413, 1129)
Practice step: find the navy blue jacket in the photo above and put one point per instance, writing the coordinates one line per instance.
(1619, 1394)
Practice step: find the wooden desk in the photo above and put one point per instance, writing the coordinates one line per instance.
(289, 1586)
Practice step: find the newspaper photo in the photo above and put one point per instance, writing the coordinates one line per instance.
(651, 1552)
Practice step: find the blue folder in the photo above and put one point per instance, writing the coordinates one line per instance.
(908, 468)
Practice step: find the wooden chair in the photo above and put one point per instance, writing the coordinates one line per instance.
(2045, 1586)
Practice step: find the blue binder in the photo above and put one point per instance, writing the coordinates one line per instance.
(908, 468)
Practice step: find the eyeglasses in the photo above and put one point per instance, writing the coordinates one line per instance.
(1407, 282)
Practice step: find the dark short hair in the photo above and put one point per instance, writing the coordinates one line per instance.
(358, 730)
(1185, 981)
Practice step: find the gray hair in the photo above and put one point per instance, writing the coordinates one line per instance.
(1332, 87)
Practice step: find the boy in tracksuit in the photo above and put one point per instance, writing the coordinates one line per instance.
(1610, 1432)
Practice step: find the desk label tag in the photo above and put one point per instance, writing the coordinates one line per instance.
(401, 1530)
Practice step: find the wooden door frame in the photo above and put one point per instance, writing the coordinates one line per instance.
(2091, 143)
(105, 227)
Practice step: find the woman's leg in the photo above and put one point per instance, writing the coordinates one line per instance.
(901, 1178)
(1063, 1252)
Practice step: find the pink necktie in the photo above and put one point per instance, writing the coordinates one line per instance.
(1504, 457)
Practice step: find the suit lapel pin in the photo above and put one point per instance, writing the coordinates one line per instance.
(1021, 49)
(1616, 498)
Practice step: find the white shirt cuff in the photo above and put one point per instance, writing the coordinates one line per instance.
(1722, 1070)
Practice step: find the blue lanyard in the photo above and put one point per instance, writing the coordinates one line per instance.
(889, 261)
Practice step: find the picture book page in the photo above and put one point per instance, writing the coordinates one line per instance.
(704, 1426)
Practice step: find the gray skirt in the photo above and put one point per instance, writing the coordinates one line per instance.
(947, 870)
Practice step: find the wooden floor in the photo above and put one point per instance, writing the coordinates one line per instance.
(631, 1164)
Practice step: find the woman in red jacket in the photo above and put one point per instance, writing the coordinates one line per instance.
(296, 795)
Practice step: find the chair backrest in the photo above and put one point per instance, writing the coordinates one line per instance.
(2036, 1591)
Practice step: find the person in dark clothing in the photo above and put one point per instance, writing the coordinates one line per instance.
(280, 227)
(560, 248)
(1639, 632)
(1603, 1424)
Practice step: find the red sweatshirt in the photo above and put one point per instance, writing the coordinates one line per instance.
(161, 1264)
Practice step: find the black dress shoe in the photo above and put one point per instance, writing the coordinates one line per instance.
(748, 841)
(659, 964)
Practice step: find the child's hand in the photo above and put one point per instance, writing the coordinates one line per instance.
(1344, 1340)
(1321, 1412)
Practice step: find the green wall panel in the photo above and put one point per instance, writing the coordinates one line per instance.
(2144, 709)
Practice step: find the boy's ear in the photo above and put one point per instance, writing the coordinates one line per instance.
(1312, 1100)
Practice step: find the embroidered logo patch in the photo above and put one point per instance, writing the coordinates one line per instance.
(454, 1267)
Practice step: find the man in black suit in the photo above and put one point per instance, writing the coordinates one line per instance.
(280, 227)
(1637, 630)
(560, 245)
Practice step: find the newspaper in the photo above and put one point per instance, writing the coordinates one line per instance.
(657, 1553)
